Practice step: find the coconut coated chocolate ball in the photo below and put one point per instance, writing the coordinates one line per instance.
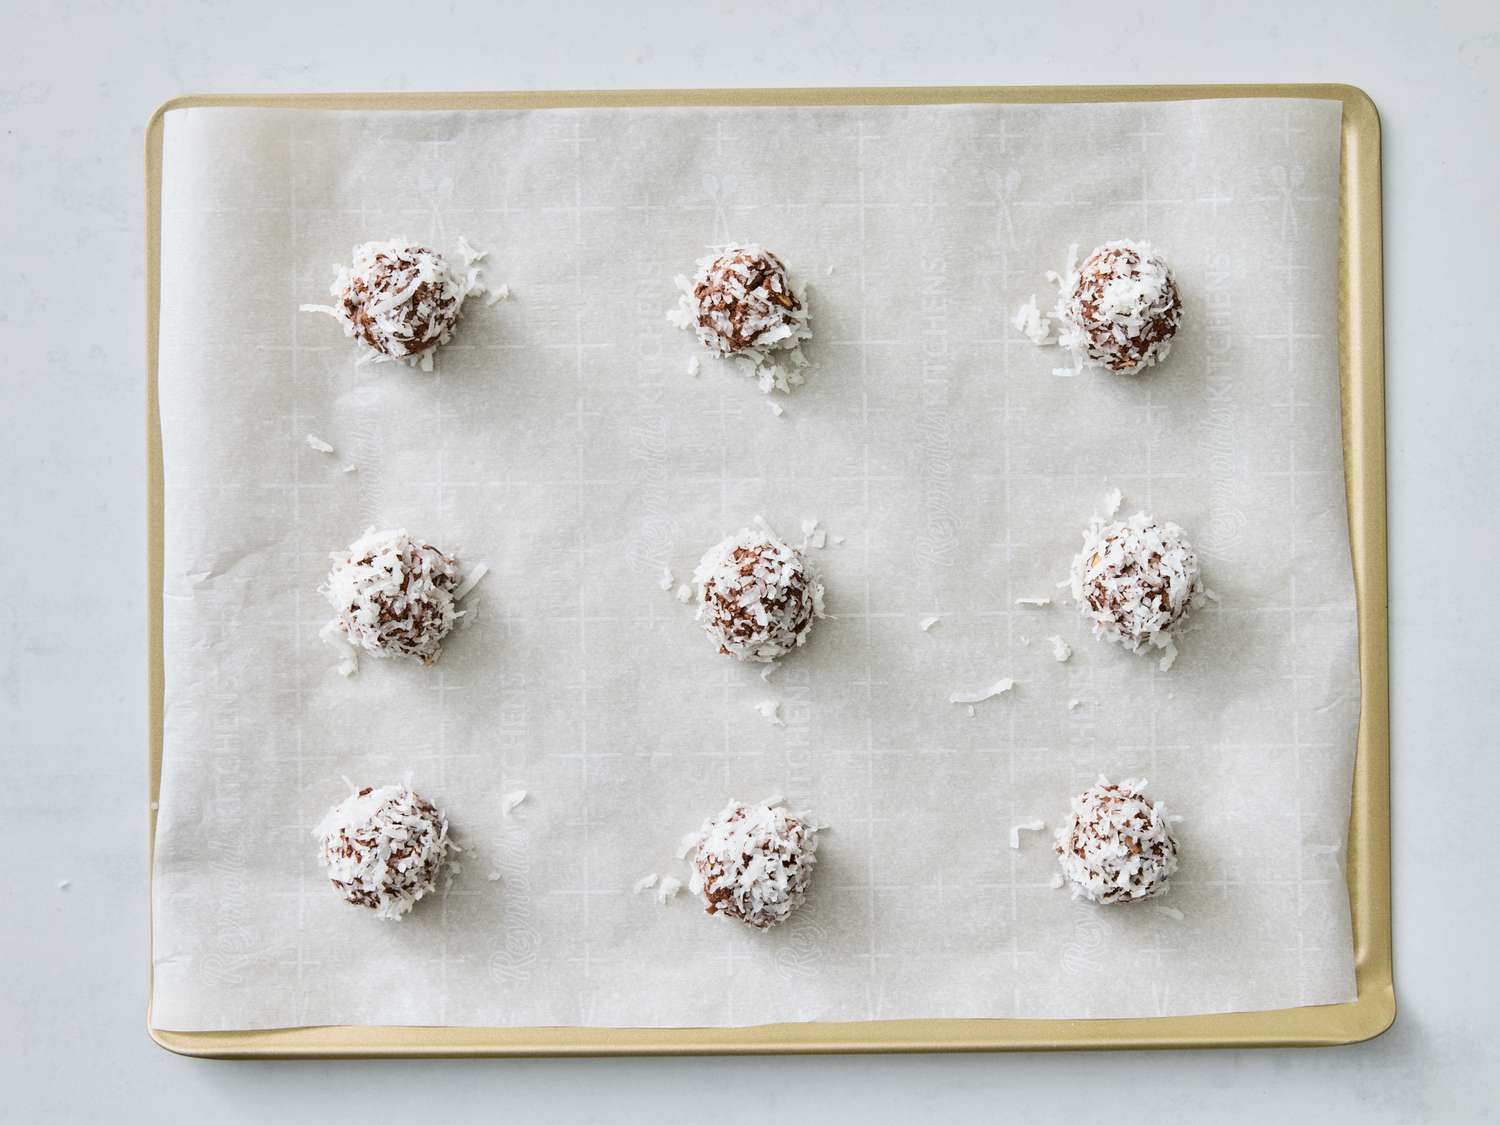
(1120, 309)
(392, 595)
(742, 302)
(757, 598)
(753, 862)
(400, 299)
(1116, 846)
(383, 848)
(1135, 580)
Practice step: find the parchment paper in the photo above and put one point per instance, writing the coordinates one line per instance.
(563, 442)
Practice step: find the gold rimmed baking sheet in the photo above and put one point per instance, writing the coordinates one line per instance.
(1361, 368)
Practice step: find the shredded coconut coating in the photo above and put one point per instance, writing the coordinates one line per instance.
(400, 299)
(742, 302)
(757, 597)
(754, 862)
(1116, 846)
(1136, 580)
(392, 595)
(1120, 309)
(383, 848)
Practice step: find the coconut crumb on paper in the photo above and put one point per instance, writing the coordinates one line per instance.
(1169, 655)
(471, 579)
(667, 579)
(64, 884)
(317, 443)
(1056, 882)
(776, 408)
(351, 468)
(1061, 650)
(928, 622)
(813, 534)
(1034, 602)
(684, 593)
(493, 877)
(511, 800)
(1171, 912)
(694, 365)
(999, 687)
(667, 888)
(644, 883)
(468, 253)
(770, 710)
(1025, 640)
(1112, 500)
(1033, 825)
(332, 634)
(498, 294)
(1074, 704)
(837, 539)
(829, 271)
(1035, 324)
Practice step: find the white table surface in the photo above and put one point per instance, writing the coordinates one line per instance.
(76, 88)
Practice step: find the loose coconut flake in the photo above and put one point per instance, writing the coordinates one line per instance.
(511, 800)
(1061, 650)
(317, 443)
(770, 710)
(471, 579)
(999, 687)
(644, 883)
(1030, 320)
(927, 623)
(1035, 603)
(1036, 825)
(667, 888)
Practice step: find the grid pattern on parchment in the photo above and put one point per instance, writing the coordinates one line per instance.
(563, 442)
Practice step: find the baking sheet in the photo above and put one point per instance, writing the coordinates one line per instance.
(961, 423)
